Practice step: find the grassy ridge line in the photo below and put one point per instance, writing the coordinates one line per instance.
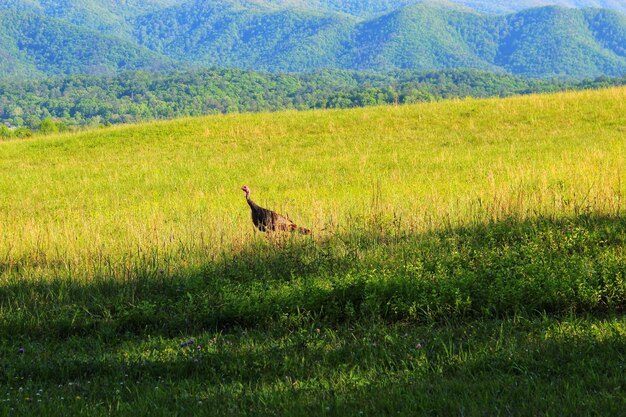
(168, 192)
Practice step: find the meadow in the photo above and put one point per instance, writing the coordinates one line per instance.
(468, 257)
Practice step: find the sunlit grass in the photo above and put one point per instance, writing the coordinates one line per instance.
(170, 190)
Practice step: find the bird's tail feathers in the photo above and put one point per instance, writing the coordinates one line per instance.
(301, 230)
(304, 231)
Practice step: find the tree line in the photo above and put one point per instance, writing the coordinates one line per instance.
(73, 102)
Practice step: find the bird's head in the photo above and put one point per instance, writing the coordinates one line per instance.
(245, 189)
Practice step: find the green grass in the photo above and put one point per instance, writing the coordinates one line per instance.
(514, 366)
(490, 232)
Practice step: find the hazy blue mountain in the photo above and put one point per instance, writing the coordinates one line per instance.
(555, 41)
(302, 35)
(244, 35)
(371, 7)
(422, 36)
(510, 6)
(34, 45)
(108, 16)
(112, 15)
(549, 41)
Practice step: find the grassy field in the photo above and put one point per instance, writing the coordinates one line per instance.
(467, 258)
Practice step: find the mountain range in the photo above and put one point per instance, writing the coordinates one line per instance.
(40, 38)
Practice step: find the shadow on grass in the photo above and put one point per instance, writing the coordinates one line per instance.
(572, 366)
(377, 273)
(515, 318)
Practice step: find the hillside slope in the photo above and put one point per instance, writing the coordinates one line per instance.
(550, 41)
(421, 36)
(467, 258)
(112, 14)
(499, 6)
(523, 156)
(554, 41)
(248, 36)
(36, 45)
(295, 36)
(105, 16)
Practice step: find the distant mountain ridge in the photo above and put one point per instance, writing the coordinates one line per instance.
(372, 7)
(37, 46)
(109, 16)
(86, 12)
(510, 6)
(46, 37)
(543, 42)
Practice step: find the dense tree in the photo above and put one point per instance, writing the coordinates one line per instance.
(48, 125)
(137, 96)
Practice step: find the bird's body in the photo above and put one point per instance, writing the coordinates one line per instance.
(269, 221)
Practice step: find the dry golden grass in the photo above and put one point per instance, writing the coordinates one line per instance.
(167, 194)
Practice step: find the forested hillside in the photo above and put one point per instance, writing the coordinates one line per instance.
(105, 16)
(65, 102)
(551, 41)
(256, 37)
(299, 36)
(372, 7)
(33, 45)
(559, 42)
(424, 37)
(500, 6)
(109, 14)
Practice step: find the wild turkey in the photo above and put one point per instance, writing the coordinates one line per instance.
(269, 221)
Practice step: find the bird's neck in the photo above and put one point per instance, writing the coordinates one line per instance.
(250, 202)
